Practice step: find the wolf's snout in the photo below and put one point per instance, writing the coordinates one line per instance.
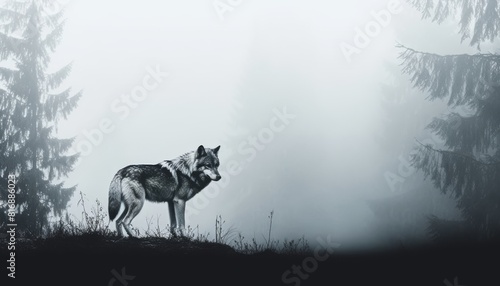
(213, 175)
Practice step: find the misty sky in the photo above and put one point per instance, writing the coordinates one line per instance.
(262, 55)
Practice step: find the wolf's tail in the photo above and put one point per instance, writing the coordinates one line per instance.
(115, 195)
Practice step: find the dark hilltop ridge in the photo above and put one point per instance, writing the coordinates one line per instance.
(99, 260)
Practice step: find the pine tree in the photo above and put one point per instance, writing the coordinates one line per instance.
(406, 200)
(467, 165)
(32, 102)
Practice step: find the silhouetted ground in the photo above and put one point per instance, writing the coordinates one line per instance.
(94, 260)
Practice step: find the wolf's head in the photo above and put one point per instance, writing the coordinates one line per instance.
(207, 162)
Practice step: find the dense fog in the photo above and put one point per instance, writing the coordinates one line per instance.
(315, 118)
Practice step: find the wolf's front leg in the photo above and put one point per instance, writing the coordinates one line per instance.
(180, 207)
(173, 220)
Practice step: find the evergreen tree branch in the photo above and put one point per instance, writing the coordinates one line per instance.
(11, 19)
(460, 154)
(471, 133)
(10, 46)
(480, 16)
(7, 75)
(483, 56)
(54, 80)
(61, 104)
(52, 39)
(463, 79)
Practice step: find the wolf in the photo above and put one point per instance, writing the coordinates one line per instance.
(173, 181)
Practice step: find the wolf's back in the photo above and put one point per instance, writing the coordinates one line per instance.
(115, 194)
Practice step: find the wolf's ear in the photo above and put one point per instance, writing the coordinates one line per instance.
(200, 152)
(216, 150)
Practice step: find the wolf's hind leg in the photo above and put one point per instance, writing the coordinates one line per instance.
(133, 197)
(119, 223)
(135, 208)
